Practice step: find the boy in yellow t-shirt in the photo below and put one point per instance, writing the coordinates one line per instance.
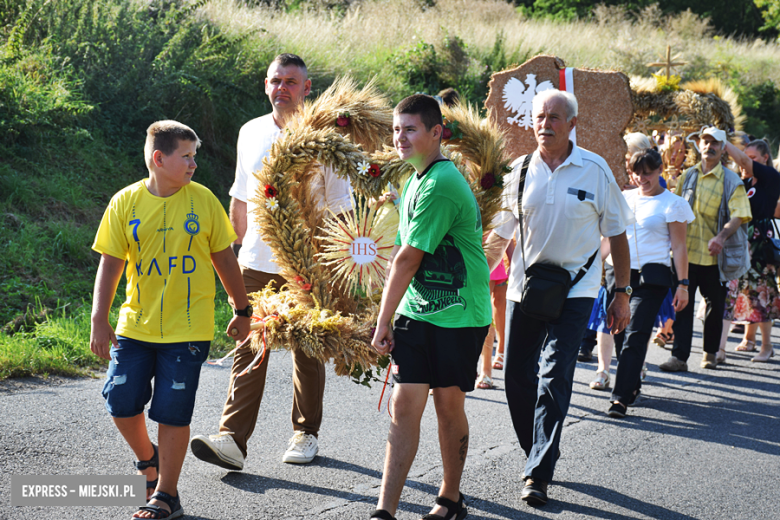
(170, 231)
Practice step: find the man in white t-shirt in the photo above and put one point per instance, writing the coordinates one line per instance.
(287, 85)
(570, 199)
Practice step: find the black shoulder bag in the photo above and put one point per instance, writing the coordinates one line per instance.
(546, 286)
(770, 246)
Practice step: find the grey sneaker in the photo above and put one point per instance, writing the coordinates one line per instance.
(709, 361)
(673, 365)
(219, 449)
(302, 450)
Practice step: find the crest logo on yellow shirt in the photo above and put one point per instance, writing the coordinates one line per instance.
(191, 225)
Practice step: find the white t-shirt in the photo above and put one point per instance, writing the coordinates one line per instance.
(254, 143)
(565, 213)
(653, 215)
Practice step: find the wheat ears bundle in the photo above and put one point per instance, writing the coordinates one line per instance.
(334, 266)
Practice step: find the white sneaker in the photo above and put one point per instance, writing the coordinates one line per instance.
(218, 449)
(303, 448)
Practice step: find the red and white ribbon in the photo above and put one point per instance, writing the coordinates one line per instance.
(567, 84)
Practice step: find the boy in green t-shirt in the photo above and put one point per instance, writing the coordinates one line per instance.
(170, 231)
(438, 282)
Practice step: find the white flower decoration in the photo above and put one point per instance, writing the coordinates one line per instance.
(363, 168)
(272, 204)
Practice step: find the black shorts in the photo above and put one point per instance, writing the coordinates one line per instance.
(427, 354)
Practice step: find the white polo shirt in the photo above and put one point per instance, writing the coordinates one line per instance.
(565, 213)
(254, 144)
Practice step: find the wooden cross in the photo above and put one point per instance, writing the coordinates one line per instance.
(669, 63)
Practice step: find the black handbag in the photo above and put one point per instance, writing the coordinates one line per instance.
(546, 286)
(658, 275)
(770, 247)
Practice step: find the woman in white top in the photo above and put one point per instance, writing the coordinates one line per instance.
(662, 221)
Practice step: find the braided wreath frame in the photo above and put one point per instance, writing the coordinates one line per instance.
(327, 320)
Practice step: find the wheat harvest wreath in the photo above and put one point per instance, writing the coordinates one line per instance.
(334, 266)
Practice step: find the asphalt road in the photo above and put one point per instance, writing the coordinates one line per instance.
(699, 445)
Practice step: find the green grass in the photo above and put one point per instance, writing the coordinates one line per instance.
(59, 343)
(57, 346)
(80, 80)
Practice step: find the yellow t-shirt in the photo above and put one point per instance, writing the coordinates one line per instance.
(167, 242)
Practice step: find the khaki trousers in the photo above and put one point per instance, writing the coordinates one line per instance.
(245, 393)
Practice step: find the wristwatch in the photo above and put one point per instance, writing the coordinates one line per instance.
(684, 282)
(627, 289)
(246, 313)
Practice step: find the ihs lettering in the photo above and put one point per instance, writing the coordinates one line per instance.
(364, 249)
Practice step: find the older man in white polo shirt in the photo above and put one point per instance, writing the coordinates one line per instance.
(570, 199)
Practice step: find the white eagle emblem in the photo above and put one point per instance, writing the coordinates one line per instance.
(519, 99)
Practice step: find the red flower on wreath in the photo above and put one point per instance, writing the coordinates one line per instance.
(270, 191)
(343, 119)
(451, 130)
(487, 181)
(302, 282)
(374, 170)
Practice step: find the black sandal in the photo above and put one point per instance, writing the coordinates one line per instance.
(160, 513)
(154, 462)
(453, 508)
(382, 514)
(618, 410)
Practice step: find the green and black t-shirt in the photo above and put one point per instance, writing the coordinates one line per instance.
(439, 215)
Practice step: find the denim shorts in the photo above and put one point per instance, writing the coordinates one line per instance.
(175, 368)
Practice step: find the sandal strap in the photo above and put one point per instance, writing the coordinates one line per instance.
(452, 507)
(152, 484)
(158, 512)
(382, 514)
(171, 501)
(141, 465)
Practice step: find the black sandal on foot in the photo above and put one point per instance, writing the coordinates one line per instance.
(458, 509)
(382, 514)
(154, 462)
(617, 410)
(160, 513)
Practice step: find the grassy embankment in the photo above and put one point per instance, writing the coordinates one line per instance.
(81, 79)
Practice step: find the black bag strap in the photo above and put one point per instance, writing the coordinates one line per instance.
(521, 185)
(584, 270)
(775, 235)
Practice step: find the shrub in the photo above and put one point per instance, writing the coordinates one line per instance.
(38, 91)
(761, 104)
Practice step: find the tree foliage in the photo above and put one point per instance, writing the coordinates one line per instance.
(770, 10)
(734, 17)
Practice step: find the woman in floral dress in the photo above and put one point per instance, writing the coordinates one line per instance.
(754, 298)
